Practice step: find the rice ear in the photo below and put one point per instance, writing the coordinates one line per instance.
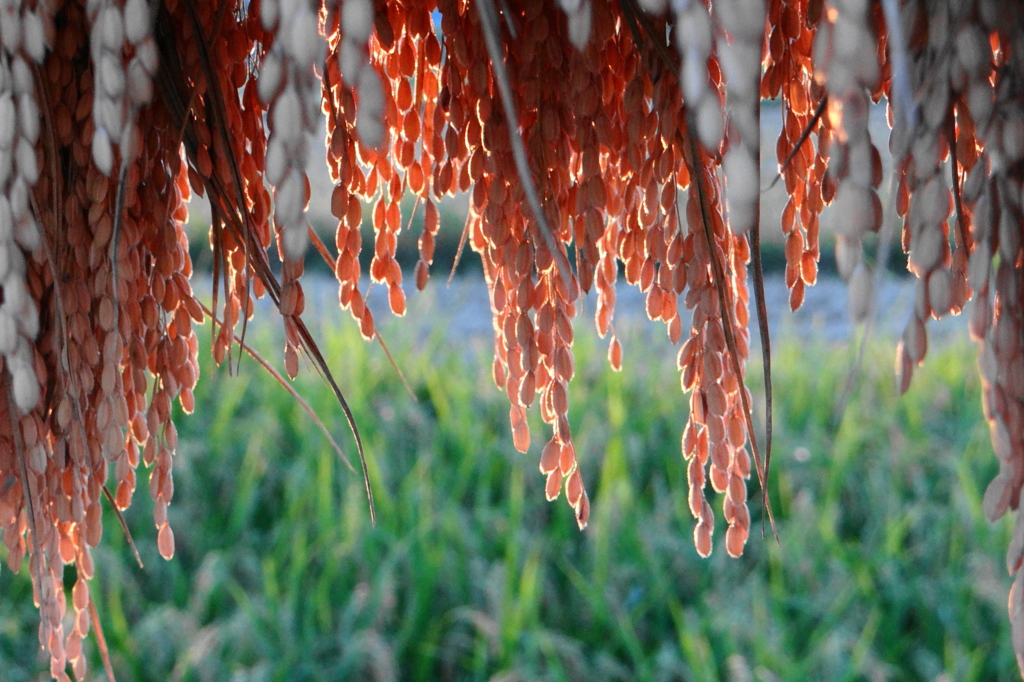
(573, 141)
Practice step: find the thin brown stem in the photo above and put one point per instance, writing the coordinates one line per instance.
(101, 641)
(725, 304)
(804, 136)
(124, 525)
(295, 394)
(762, 317)
(458, 252)
(957, 198)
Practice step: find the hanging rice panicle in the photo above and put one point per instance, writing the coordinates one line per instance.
(740, 56)
(847, 68)
(789, 74)
(290, 87)
(594, 136)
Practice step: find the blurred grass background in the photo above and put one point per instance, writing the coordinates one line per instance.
(887, 569)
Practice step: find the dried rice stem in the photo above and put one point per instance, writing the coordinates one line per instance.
(288, 387)
(727, 327)
(124, 525)
(805, 135)
(101, 641)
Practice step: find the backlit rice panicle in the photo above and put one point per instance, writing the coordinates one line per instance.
(789, 74)
(639, 122)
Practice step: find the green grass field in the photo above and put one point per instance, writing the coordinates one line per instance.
(887, 569)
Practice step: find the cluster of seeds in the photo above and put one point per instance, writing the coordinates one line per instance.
(970, 128)
(97, 309)
(694, 38)
(715, 437)
(124, 58)
(955, 83)
(586, 135)
(847, 68)
(290, 89)
(740, 54)
(19, 232)
(789, 75)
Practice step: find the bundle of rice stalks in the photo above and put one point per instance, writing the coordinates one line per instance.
(587, 135)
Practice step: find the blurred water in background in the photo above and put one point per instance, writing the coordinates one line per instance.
(772, 200)
(462, 308)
